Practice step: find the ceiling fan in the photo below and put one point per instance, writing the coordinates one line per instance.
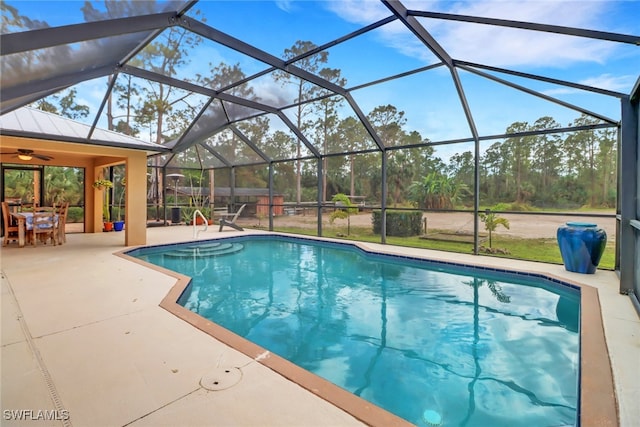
(24, 154)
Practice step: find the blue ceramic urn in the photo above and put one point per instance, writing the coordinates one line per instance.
(581, 246)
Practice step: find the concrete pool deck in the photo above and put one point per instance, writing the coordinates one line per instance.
(83, 335)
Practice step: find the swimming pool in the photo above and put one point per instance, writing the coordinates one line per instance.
(434, 343)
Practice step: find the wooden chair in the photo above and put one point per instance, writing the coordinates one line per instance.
(10, 229)
(15, 204)
(24, 207)
(45, 227)
(62, 212)
(33, 208)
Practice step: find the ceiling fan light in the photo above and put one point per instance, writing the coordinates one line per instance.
(25, 157)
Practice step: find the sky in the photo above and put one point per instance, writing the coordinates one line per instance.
(429, 100)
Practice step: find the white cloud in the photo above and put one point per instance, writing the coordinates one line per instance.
(491, 44)
(271, 93)
(359, 11)
(603, 81)
(560, 91)
(565, 13)
(285, 5)
(508, 47)
(609, 82)
(398, 37)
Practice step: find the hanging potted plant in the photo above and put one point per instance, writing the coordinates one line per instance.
(105, 184)
(118, 225)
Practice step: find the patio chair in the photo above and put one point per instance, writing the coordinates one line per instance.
(10, 227)
(45, 227)
(62, 212)
(232, 222)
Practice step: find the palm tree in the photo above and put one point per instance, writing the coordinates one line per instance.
(344, 209)
(491, 222)
(436, 191)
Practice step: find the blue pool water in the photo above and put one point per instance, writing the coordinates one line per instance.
(434, 343)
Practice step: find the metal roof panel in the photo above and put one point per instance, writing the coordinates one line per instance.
(33, 121)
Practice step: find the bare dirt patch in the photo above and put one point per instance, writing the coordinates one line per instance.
(528, 226)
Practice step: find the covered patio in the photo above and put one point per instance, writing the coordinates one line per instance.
(111, 149)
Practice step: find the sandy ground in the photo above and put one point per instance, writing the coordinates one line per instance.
(527, 226)
(521, 225)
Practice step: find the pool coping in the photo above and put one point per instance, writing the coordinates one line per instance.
(597, 400)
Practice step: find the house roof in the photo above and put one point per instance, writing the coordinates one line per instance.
(31, 122)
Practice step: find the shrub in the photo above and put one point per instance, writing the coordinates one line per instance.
(521, 207)
(399, 223)
(512, 207)
(75, 214)
(501, 207)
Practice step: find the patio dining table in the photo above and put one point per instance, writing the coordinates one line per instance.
(25, 223)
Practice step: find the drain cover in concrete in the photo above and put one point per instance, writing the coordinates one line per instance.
(221, 378)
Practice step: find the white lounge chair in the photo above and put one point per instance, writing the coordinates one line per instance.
(232, 222)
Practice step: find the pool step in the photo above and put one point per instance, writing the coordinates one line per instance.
(206, 250)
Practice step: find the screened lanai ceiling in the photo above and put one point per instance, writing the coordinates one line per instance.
(228, 83)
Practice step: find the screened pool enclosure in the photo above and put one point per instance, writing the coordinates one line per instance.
(465, 113)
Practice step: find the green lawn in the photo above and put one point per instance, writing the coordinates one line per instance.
(543, 250)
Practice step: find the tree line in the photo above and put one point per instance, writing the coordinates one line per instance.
(551, 170)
